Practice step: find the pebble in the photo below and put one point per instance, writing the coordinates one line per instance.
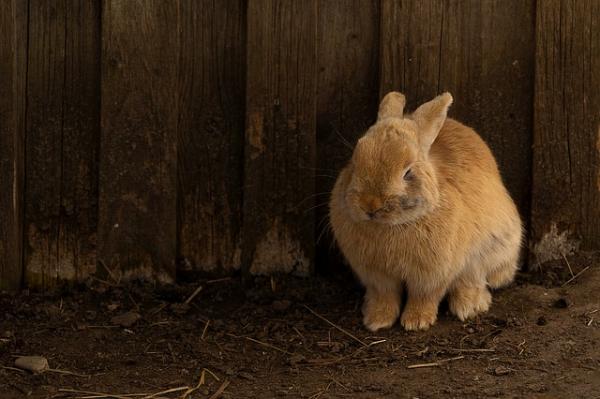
(501, 370)
(126, 319)
(35, 364)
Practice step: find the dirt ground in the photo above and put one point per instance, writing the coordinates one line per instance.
(289, 337)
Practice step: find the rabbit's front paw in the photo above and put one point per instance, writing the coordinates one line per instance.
(418, 317)
(380, 313)
(468, 302)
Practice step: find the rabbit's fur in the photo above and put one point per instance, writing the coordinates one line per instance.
(447, 226)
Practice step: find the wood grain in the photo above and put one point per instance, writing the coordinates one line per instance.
(348, 55)
(211, 135)
(138, 160)
(62, 141)
(278, 232)
(566, 161)
(13, 52)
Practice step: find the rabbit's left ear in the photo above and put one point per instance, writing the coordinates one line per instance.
(430, 117)
(392, 106)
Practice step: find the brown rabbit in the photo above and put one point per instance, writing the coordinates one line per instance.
(422, 205)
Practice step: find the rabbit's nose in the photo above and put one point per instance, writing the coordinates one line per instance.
(373, 214)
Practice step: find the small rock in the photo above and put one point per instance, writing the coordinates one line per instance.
(501, 370)
(281, 305)
(126, 319)
(35, 364)
(541, 321)
(561, 303)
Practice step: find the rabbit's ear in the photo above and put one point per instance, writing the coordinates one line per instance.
(392, 106)
(430, 117)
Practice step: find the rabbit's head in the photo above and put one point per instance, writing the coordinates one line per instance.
(392, 179)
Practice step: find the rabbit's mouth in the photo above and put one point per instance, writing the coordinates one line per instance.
(408, 203)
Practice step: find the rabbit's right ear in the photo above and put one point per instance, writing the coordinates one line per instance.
(392, 106)
(430, 117)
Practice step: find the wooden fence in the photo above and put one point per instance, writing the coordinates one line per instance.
(142, 137)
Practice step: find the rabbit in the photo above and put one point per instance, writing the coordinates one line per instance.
(421, 206)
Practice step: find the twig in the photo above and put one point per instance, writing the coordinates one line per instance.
(110, 272)
(204, 331)
(220, 391)
(336, 326)
(471, 350)
(103, 281)
(160, 323)
(218, 280)
(137, 307)
(102, 327)
(13, 369)
(67, 373)
(128, 396)
(298, 332)
(192, 390)
(434, 364)
(178, 389)
(101, 394)
(171, 351)
(158, 309)
(568, 265)
(211, 373)
(269, 345)
(575, 276)
(339, 383)
(196, 292)
(321, 392)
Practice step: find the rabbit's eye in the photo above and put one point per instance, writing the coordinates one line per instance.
(408, 175)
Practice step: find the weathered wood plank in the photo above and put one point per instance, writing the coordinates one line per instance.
(348, 56)
(62, 141)
(13, 46)
(46, 64)
(278, 232)
(566, 162)
(211, 134)
(137, 221)
(507, 80)
(80, 138)
(480, 51)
